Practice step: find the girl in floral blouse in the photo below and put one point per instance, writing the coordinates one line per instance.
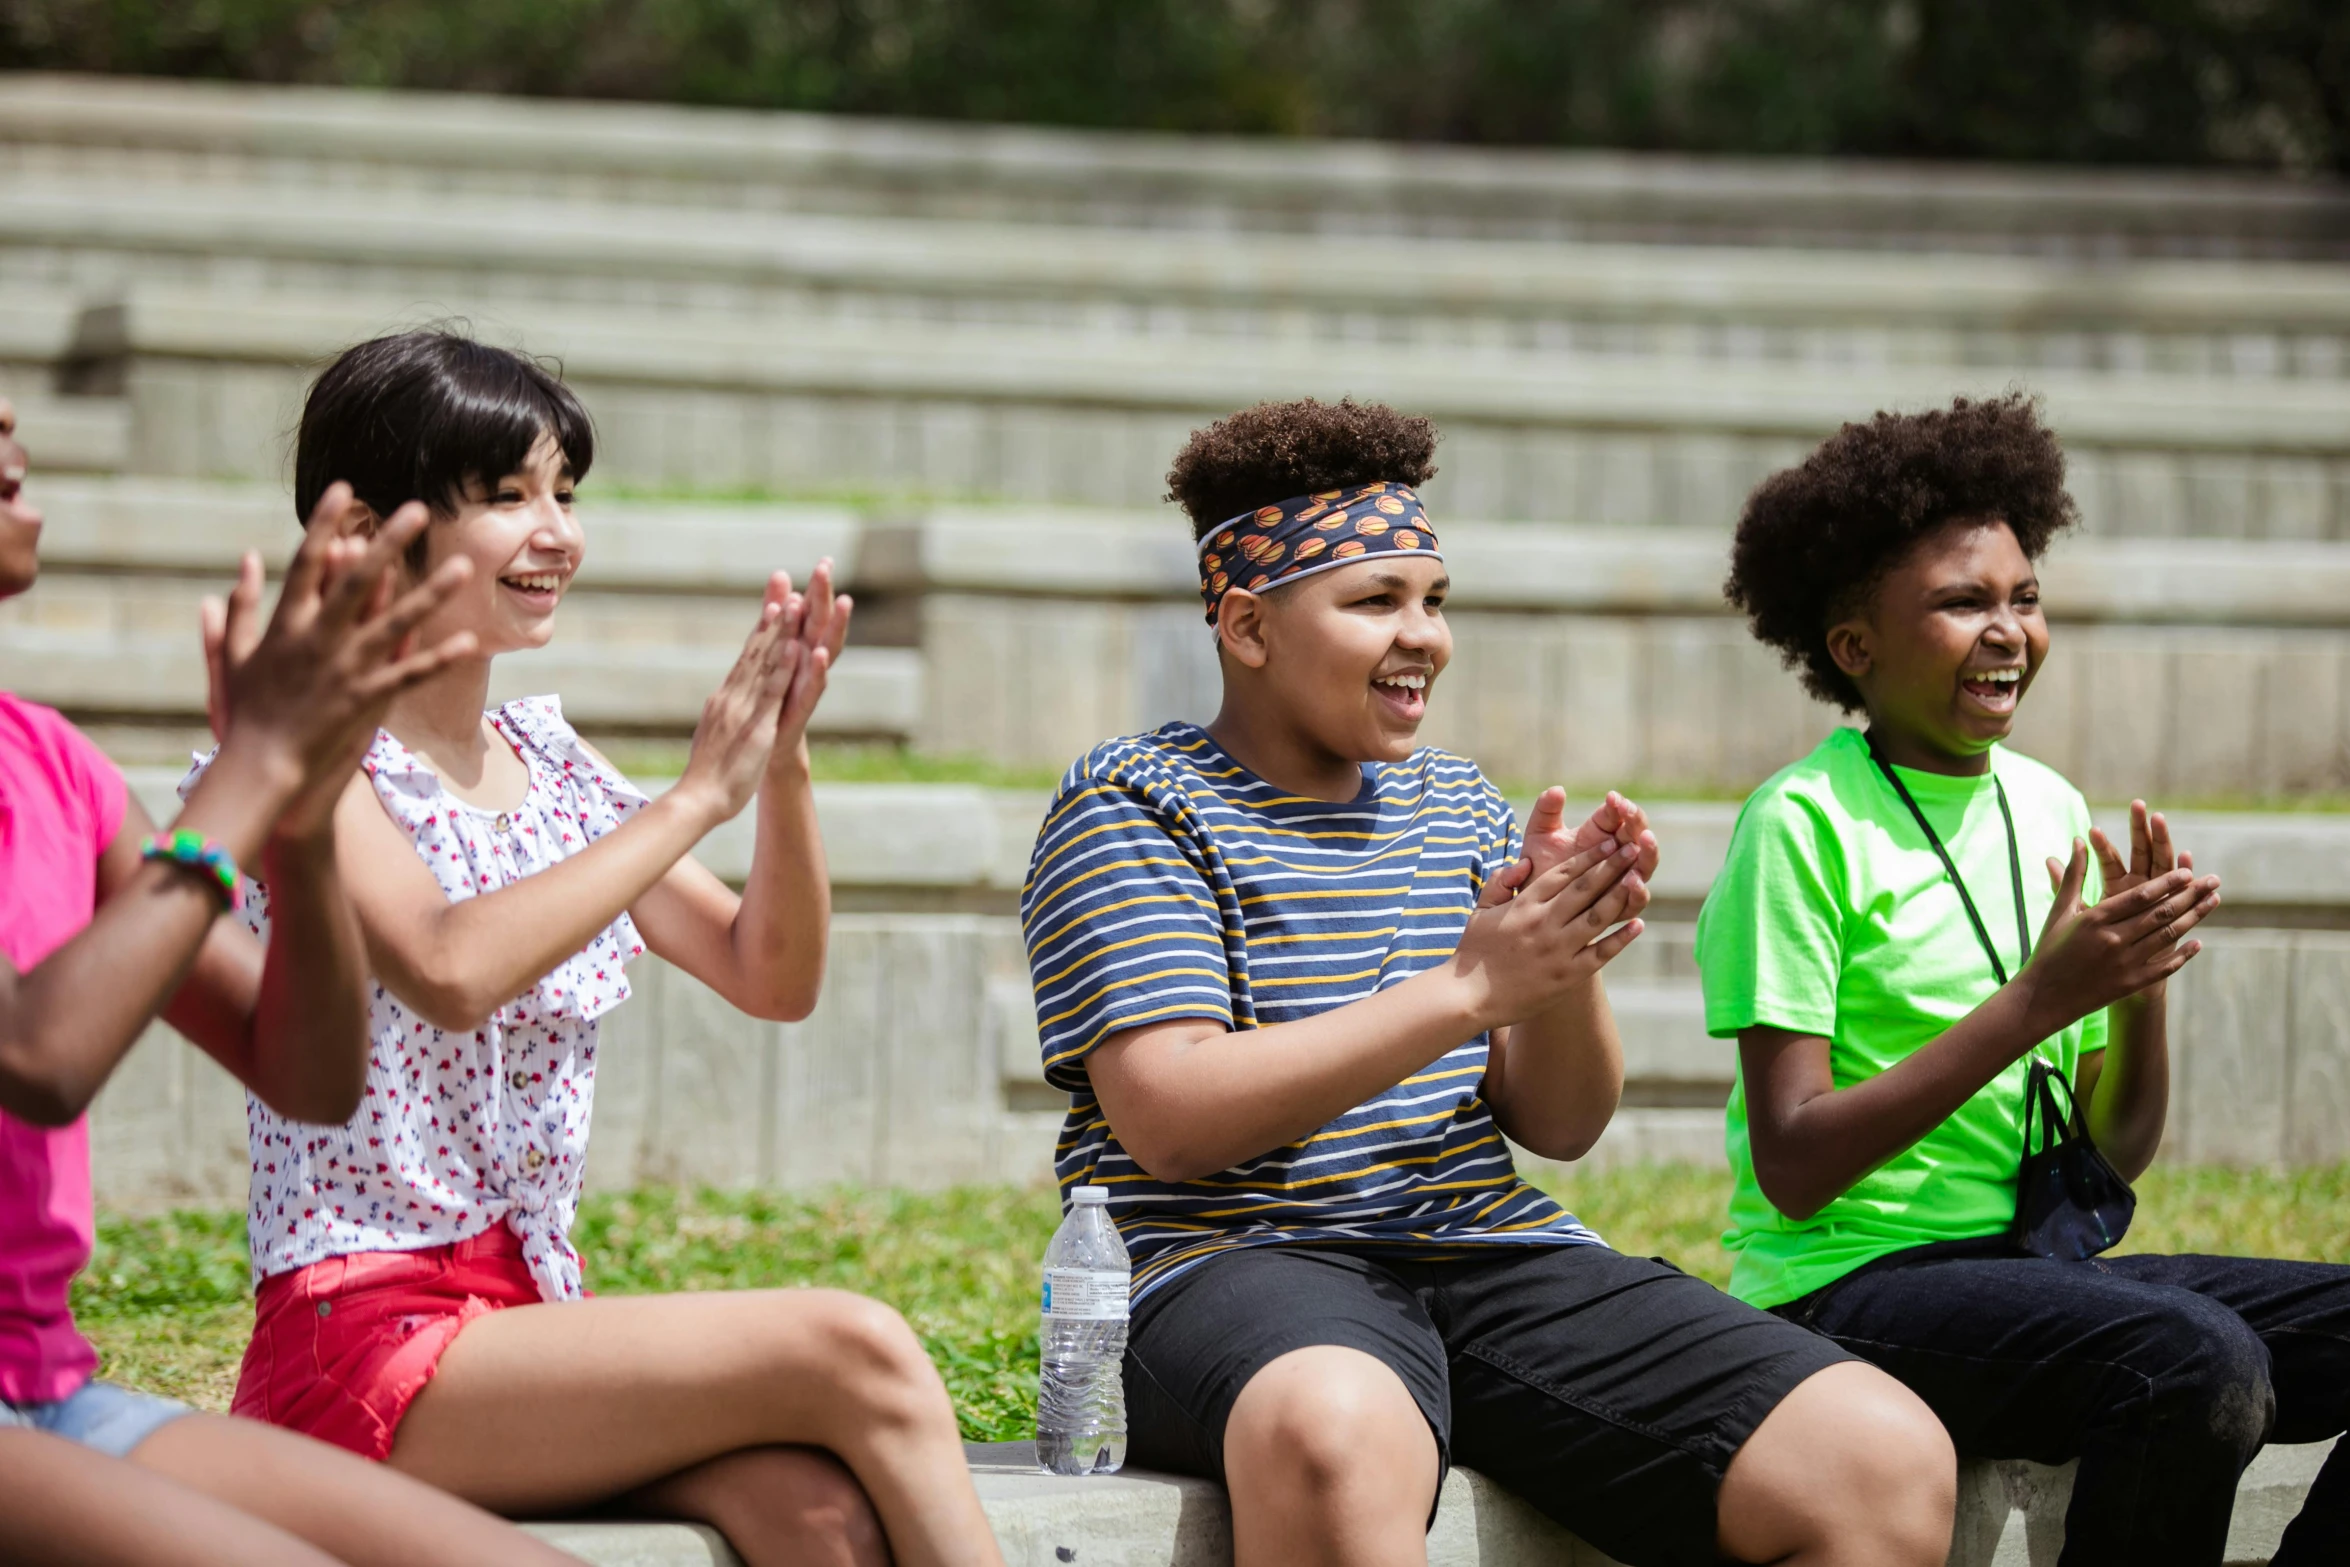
(419, 1300)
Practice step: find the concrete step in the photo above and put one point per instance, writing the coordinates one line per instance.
(2011, 1514)
(707, 401)
(65, 435)
(148, 525)
(920, 1064)
(1597, 656)
(1830, 309)
(307, 139)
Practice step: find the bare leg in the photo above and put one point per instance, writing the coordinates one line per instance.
(358, 1512)
(1851, 1470)
(1329, 1461)
(542, 1409)
(777, 1506)
(62, 1505)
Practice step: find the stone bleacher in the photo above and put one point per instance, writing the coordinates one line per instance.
(958, 359)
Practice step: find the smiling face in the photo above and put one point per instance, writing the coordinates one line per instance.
(1947, 645)
(525, 545)
(20, 520)
(1345, 660)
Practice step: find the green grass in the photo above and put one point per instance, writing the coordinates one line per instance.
(166, 1300)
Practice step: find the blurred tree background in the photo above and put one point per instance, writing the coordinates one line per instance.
(2253, 83)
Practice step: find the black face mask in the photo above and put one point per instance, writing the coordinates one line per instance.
(2070, 1203)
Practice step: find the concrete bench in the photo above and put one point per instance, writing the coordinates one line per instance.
(306, 138)
(2010, 1515)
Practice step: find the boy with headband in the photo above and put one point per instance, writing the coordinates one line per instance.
(1300, 977)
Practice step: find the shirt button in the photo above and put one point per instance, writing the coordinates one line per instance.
(520, 1079)
(533, 1159)
(504, 824)
(326, 1308)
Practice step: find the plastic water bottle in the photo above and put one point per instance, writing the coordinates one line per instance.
(1081, 1388)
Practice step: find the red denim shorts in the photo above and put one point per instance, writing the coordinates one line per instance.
(342, 1347)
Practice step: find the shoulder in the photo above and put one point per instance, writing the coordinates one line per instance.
(1157, 770)
(1453, 784)
(537, 724)
(49, 735)
(67, 758)
(2042, 784)
(1805, 799)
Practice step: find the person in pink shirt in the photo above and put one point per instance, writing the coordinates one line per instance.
(106, 924)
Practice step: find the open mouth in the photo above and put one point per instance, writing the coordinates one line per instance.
(1994, 690)
(1406, 694)
(540, 589)
(12, 504)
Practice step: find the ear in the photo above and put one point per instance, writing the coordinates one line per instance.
(1240, 627)
(1850, 645)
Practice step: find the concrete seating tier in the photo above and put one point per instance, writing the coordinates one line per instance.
(711, 401)
(2205, 669)
(306, 139)
(920, 1066)
(2010, 1515)
(1832, 310)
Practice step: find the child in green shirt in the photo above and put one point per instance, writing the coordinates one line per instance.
(1908, 918)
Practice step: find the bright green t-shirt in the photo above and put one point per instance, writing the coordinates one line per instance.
(1832, 916)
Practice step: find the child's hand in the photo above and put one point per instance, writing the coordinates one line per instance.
(2093, 956)
(1617, 821)
(303, 696)
(742, 721)
(824, 630)
(2152, 854)
(1536, 936)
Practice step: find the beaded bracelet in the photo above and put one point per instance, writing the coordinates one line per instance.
(184, 846)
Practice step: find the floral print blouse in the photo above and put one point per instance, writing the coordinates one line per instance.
(458, 1131)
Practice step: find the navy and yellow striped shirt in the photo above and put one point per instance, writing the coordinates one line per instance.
(1170, 882)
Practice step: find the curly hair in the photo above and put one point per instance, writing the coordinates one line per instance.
(1278, 450)
(1815, 539)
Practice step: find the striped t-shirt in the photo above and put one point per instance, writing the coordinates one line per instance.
(1170, 882)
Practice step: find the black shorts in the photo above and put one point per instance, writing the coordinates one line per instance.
(1609, 1391)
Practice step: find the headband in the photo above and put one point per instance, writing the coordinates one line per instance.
(1280, 543)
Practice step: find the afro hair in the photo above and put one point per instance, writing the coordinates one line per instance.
(1815, 539)
(1278, 450)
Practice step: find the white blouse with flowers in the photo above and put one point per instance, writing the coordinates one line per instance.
(461, 1130)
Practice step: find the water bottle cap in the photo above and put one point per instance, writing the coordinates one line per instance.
(1091, 1196)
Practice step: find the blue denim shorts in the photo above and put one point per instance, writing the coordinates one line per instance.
(99, 1415)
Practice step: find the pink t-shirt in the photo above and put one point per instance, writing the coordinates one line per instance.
(61, 803)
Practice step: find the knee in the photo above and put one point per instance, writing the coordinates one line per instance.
(1334, 1428)
(1851, 1467)
(2208, 1377)
(1898, 1454)
(875, 1362)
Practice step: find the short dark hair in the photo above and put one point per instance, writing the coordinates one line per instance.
(1275, 451)
(1815, 539)
(419, 416)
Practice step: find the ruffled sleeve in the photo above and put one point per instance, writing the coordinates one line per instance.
(583, 799)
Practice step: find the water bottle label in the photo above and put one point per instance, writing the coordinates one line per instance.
(1085, 1294)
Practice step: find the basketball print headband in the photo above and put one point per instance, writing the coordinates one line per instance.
(1280, 543)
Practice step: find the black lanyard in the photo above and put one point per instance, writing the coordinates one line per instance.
(2015, 863)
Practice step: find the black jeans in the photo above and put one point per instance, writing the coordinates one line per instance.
(2162, 1375)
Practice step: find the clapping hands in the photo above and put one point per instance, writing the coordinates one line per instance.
(305, 692)
(2123, 947)
(757, 720)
